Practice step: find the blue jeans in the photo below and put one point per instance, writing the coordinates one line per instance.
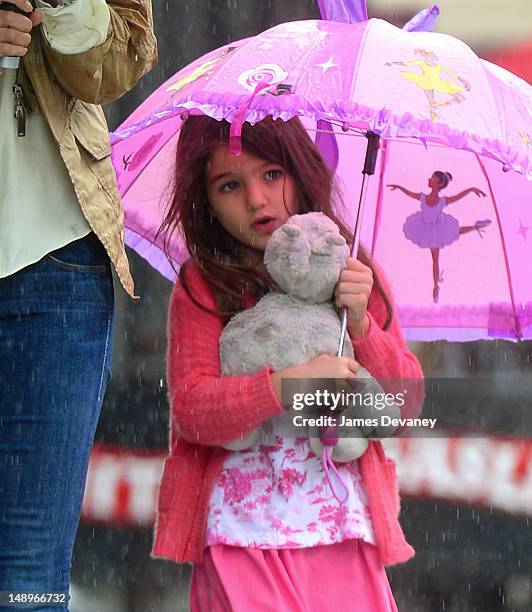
(56, 325)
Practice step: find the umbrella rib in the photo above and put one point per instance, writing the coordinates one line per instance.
(353, 132)
(380, 195)
(518, 330)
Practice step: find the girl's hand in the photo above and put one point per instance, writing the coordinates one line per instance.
(352, 291)
(322, 366)
(325, 366)
(478, 192)
(393, 187)
(15, 28)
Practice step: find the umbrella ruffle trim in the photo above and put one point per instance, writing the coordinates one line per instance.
(464, 322)
(357, 116)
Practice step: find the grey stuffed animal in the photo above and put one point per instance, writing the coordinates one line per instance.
(304, 258)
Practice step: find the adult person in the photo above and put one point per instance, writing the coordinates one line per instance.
(61, 229)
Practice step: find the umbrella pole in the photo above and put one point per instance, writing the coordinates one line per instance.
(329, 434)
(368, 170)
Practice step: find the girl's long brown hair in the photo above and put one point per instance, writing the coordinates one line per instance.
(285, 143)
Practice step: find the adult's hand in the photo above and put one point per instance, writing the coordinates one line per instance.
(15, 28)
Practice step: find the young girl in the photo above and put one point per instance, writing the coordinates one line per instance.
(272, 537)
(431, 228)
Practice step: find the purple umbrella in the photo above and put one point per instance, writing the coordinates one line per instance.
(435, 106)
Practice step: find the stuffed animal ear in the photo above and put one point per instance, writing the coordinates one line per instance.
(336, 240)
(297, 257)
(291, 231)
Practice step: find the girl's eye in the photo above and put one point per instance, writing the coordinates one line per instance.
(271, 175)
(228, 187)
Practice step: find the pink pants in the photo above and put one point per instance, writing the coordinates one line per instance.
(347, 576)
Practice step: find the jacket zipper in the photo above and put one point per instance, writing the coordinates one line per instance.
(22, 107)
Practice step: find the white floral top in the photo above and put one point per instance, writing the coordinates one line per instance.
(277, 496)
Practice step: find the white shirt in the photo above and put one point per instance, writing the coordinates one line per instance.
(276, 495)
(39, 209)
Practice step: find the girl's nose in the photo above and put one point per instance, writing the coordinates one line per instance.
(255, 198)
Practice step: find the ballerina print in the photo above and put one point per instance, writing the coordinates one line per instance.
(199, 71)
(431, 228)
(430, 81)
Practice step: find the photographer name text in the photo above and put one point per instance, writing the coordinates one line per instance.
(342, 420)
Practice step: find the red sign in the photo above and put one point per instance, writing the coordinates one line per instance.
(122, 485)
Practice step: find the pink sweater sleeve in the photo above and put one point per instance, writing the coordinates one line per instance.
(208, 408)
(385, 354)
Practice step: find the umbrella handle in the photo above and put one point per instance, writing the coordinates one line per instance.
(329, 435)
(371, 154)
(370, 162)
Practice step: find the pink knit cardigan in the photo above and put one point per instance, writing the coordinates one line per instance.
(207, 410)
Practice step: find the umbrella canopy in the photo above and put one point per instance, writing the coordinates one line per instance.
(436, 105)
(486, 290)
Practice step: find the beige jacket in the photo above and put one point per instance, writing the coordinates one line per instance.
(70, 89)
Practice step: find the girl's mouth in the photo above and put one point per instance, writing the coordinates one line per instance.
(265, 225)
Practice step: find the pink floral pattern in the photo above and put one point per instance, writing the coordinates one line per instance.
(275, 495)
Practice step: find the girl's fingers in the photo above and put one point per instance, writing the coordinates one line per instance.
(360, 288)
(356, 271)
(352, 365)
(352, 300)
(355, 276)
(355, 264)
(348, 285)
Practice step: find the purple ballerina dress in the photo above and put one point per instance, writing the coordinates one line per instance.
(431, 228)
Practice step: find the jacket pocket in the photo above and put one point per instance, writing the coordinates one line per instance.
(89, 127)
(86, 254)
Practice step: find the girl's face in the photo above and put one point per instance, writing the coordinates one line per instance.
(434, 182)
(250, 197)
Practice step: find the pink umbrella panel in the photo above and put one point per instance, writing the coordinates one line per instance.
(485, 272)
